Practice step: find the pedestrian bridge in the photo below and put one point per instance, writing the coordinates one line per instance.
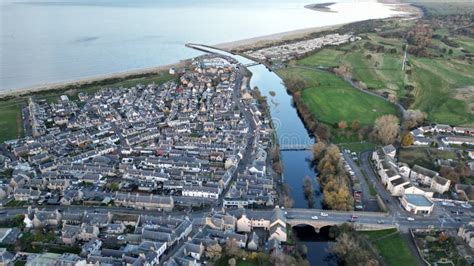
(295, 147)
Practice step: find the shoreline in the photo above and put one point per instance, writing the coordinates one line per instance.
(243, 44)
(22, 91)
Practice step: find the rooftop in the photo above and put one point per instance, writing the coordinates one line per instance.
(418, 200)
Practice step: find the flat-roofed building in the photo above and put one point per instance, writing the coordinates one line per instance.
(417, 204)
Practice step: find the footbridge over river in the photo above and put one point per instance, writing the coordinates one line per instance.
(364, 221)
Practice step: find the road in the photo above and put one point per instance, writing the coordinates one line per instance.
(369, 202)
(249, 149)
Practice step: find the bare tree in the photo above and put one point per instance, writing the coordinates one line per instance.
(414, 118)
(233, 249)
(214, 252)
(353, 250)
(386, 129)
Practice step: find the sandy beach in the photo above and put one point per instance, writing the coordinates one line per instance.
(89, 80)
(261, 41)
(245, 44)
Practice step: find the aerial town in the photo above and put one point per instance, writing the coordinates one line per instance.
(327, 149)
(189, 144)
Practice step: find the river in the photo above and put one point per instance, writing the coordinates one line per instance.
(296, 164)
(47, 41)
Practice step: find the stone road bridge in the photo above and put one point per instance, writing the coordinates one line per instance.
(364, 221)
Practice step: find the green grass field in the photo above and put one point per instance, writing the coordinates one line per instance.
(325, 57)
(332, 99)
(10, 121)
(392, 248)
(10, 110)
(436, 79)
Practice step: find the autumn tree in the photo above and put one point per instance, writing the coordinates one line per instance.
(214, 252)
(308, 191)
(344, 71)
(318, 150)
(286, 200)
(322, 132)
(342, 124)
(355, 125)
(294, 83)
(408, 139)
(386, 129)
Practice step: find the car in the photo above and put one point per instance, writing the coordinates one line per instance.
(290, 217)
(324, 214)
(122, 237)
(286, 213)
(410, 219)
(314, 217)
(380, 222)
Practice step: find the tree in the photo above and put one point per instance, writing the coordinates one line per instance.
(322, 132)
(233, 249)
(355, 125)
(386, 129)
(344, 71)
(280, 258)
(114, 186)
(353, 250)
(408, 139)
(414, 118)
(462, 169)
(318, 150)
(342, 124)
(214, 252)
(451, 174)
(288, 201)
(308, 191)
